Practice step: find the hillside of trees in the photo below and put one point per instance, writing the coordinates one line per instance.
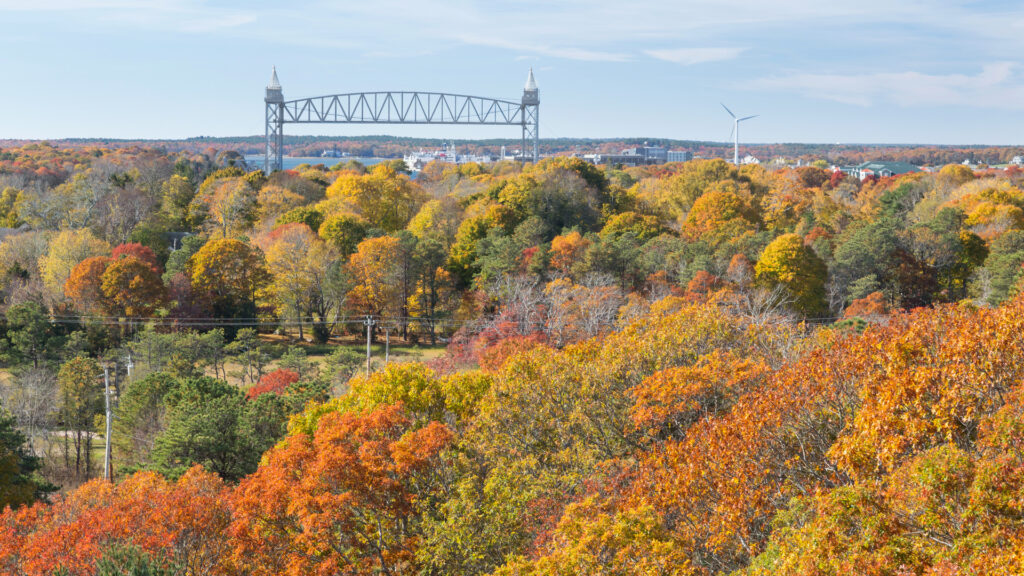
(693, 368)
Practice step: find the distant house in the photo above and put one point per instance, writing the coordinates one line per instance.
(882, 169)
(174, 239)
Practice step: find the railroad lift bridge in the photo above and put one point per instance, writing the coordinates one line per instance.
(400, 108)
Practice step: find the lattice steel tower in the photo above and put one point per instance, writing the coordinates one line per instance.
(275, 124)
(531, 117)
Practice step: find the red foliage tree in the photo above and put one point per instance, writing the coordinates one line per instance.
(143, 253)
(702, 286)
(286, 230)
(274, 382)
(836, 178)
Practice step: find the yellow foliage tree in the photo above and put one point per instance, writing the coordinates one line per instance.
(388, 200)
(376, 274)
(66, 250)
(720, 215)
(787, 262)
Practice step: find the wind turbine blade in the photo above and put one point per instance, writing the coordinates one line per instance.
(749, 117)
(733, 131)
(727, 110)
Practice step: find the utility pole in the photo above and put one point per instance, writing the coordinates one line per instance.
(106, 448)
(387, 344)
(369, 322)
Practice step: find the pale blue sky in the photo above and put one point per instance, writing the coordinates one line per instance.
(941, 71)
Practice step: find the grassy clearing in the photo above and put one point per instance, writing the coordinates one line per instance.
(317, 354)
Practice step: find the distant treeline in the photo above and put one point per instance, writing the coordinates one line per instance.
(396, 146)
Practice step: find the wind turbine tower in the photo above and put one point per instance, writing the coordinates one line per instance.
(736, 134)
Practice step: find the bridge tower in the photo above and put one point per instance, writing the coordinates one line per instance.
(530, 117)
(275, 125)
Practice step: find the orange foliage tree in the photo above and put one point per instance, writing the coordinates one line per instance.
(85, 285)
(345, 500)
(872, 306)
(567, 252)
(132, 288)
(183, 523)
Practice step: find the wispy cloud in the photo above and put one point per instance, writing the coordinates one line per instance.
(582, 30)
(566, 52)
(995, 86)
(188, 16)
(202, 25)
(690, 56)
(592, 30)
(81, 5)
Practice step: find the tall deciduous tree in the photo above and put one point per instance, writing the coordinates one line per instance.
(67, 249)
(377, 274)
(176, 194)
(308, 278)
(432, 232)
(718, 216)
(80, 397)
(276, 200)
(225, 205)
(229, 275)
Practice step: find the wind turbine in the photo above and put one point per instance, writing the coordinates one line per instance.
(736, 134)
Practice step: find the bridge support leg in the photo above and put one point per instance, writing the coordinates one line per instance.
(275, 137)
(522, 146)
(531, 131)
(536, 134)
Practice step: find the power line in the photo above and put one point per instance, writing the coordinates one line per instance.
(199, 322)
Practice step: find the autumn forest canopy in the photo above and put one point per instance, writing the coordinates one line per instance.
(686, 369)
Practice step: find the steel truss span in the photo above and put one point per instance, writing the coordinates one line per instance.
(400, 108)
(403, 108)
